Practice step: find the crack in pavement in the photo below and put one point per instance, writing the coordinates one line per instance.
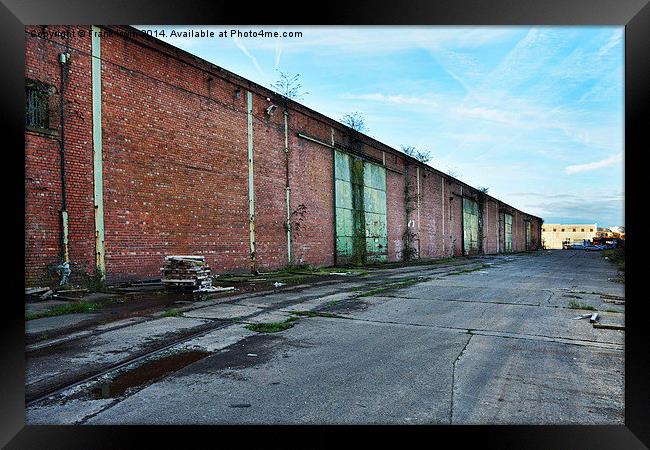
(453, 376)
(537, 305)
(532, 337)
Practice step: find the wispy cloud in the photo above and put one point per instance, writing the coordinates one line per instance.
(394, 99)
(278, 54)
(240, 45)
(588, 167)
(614, 40)
(512, 108)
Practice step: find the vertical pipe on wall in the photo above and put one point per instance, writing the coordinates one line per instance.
(442, 193)
(496, 207)
(287, 189)
(96, 69)
(334, 193)
(251, 190)
(65, 254)
(462, 221)
(417, 178)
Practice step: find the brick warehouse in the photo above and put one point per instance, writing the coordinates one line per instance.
(135, 150)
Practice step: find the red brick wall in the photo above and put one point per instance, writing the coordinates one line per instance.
(175, 164)
(175, 170)
(395, 212)
(312, 186)
(42, 158)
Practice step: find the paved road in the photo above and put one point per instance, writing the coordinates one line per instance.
(493, 342)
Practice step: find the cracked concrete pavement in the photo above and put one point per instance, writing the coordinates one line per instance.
(495, 345)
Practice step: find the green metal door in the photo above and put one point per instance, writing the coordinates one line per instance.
(360, 196)
(528, 236)
(374, 207)
(470, 226)
(508, 232)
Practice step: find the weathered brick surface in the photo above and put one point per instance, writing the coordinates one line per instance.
(43, 199)
(175, 170)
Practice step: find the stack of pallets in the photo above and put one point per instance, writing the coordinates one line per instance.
(186, 272)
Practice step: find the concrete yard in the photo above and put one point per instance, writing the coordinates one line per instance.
(492, 340)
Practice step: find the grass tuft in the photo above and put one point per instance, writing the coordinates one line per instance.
(271, 327)
(70, 308)
(393, 285)
(577, 305)
(171, 313)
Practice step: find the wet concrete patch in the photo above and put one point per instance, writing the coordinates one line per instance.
(110, 308)
(251, 351)
(223, 311)
(62, 364)
(343, 306)
(146, 374)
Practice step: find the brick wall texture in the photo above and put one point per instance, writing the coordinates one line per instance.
(176, 170)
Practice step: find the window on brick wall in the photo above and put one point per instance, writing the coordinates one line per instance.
(37, 104)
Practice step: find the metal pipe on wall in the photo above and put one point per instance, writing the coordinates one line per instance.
(64, 58)
(287, 188)
(251, 187)
(98, 181)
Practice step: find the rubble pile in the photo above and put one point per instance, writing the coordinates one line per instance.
(188, 272)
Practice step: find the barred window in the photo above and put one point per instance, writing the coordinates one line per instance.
(37, 100)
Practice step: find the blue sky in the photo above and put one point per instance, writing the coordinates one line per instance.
(533, 113)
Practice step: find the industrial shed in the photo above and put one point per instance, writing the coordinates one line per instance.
(136, 150)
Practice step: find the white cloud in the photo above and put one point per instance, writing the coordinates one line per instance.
(588, 167)
(493, 115)
(394, 99)
(614, 40)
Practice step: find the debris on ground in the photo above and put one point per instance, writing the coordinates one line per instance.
(615, 302)
(186, 272)
(609, 326)
(69, 291)
(278, 284)
(582, 316)
(612, 297)
(36, 290)
(593, 318)
(339, 273)
(214, 289)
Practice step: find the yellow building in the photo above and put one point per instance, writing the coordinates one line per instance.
(555, 234)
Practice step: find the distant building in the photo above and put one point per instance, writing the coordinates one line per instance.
(612, 232)
(554, 235)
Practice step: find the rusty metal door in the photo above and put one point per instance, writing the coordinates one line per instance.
(508, 232)
(528, 235)
(360, 198)
(470, 226)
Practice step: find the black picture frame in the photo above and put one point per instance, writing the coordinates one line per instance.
(633, 14)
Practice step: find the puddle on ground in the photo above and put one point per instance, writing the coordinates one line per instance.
(345, 306)
(147, 373)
